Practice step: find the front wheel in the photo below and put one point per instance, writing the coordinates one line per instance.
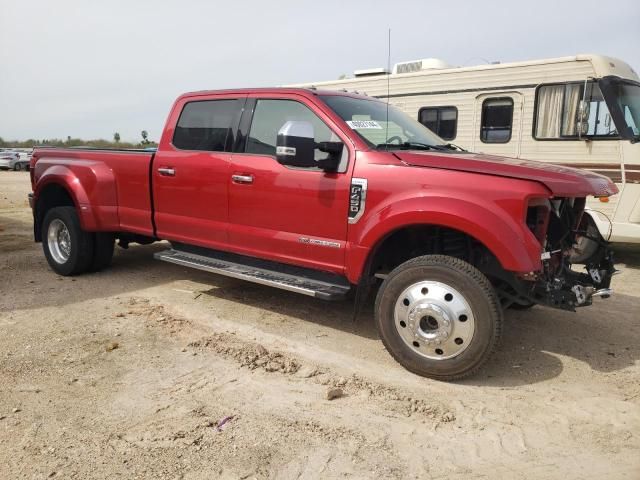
(439, 317)
(68, 248)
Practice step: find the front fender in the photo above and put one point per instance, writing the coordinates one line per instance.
(509, 241)
(91, 186)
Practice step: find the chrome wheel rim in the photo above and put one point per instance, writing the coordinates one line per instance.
(59, 241)
(434, 320)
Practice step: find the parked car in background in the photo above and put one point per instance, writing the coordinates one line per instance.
(8, 160)
(14, 160)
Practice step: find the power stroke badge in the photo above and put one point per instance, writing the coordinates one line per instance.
(357, 198)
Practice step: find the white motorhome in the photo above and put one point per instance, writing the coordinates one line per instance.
(581, 111)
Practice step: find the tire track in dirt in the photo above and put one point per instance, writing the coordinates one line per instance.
(255, 356)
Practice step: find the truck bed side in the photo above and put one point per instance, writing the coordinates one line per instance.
(110, 188)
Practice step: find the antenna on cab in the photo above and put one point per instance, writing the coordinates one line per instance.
(386, 134)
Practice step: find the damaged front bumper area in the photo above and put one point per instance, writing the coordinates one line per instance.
(577, 263)
(569, 288)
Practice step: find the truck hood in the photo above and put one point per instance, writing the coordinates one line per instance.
(561, 181)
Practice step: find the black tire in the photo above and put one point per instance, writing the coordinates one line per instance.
(25, 167)
(102, 251)
(81, 243)
(472, 286)
(17, 167)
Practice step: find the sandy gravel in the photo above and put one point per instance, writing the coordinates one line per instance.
(150, 370)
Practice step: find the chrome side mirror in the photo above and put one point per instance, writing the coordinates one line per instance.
(295, 144)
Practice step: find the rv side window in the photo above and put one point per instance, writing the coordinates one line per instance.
(557, 112)
(497, 120)
(443, 121)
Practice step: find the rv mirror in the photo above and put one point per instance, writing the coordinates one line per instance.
(583, 128)
(582, 118)
(583, 111)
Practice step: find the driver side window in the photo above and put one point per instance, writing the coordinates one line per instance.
(270, 115)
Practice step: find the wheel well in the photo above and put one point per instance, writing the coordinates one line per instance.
(53, 195)
(413, 241)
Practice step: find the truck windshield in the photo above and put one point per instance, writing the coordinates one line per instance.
(623, 100)
(368, 119)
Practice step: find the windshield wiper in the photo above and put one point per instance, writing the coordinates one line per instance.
(411, 146)
(453, 146)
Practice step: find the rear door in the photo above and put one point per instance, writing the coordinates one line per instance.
(288, 214)
(191, 171)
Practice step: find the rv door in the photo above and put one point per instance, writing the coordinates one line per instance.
(498, 123)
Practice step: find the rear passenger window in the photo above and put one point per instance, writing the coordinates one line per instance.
(206, 126)
(497, 120)
(443, 121)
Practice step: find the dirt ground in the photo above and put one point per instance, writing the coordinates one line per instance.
(129, 373)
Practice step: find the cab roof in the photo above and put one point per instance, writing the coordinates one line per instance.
(306, 92)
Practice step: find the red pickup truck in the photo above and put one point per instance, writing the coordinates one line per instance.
(330, 193)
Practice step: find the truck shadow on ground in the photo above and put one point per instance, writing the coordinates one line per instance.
(627, 254)
(604, 337)
(337, 315)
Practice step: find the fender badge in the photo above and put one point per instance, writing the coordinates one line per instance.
(357, 199)
(320, 243)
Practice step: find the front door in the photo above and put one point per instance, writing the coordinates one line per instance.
(191, 171)
(287, 214)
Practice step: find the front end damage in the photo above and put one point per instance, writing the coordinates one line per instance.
(577, 263)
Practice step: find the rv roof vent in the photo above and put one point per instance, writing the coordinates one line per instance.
(417, 65)
(370, 72)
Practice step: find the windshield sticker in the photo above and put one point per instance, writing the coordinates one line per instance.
(359, 124)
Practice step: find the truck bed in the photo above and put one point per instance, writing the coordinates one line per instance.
(114, 189)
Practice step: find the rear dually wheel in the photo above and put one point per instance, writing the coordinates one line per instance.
(67, 248)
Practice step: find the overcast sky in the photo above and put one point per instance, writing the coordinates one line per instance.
(91, 68)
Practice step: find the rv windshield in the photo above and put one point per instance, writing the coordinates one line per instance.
(623, 100)
(368, 118)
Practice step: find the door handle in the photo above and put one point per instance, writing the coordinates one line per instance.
(242, 178)
(167, 172)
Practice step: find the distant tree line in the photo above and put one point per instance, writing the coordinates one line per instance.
(78, 142)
